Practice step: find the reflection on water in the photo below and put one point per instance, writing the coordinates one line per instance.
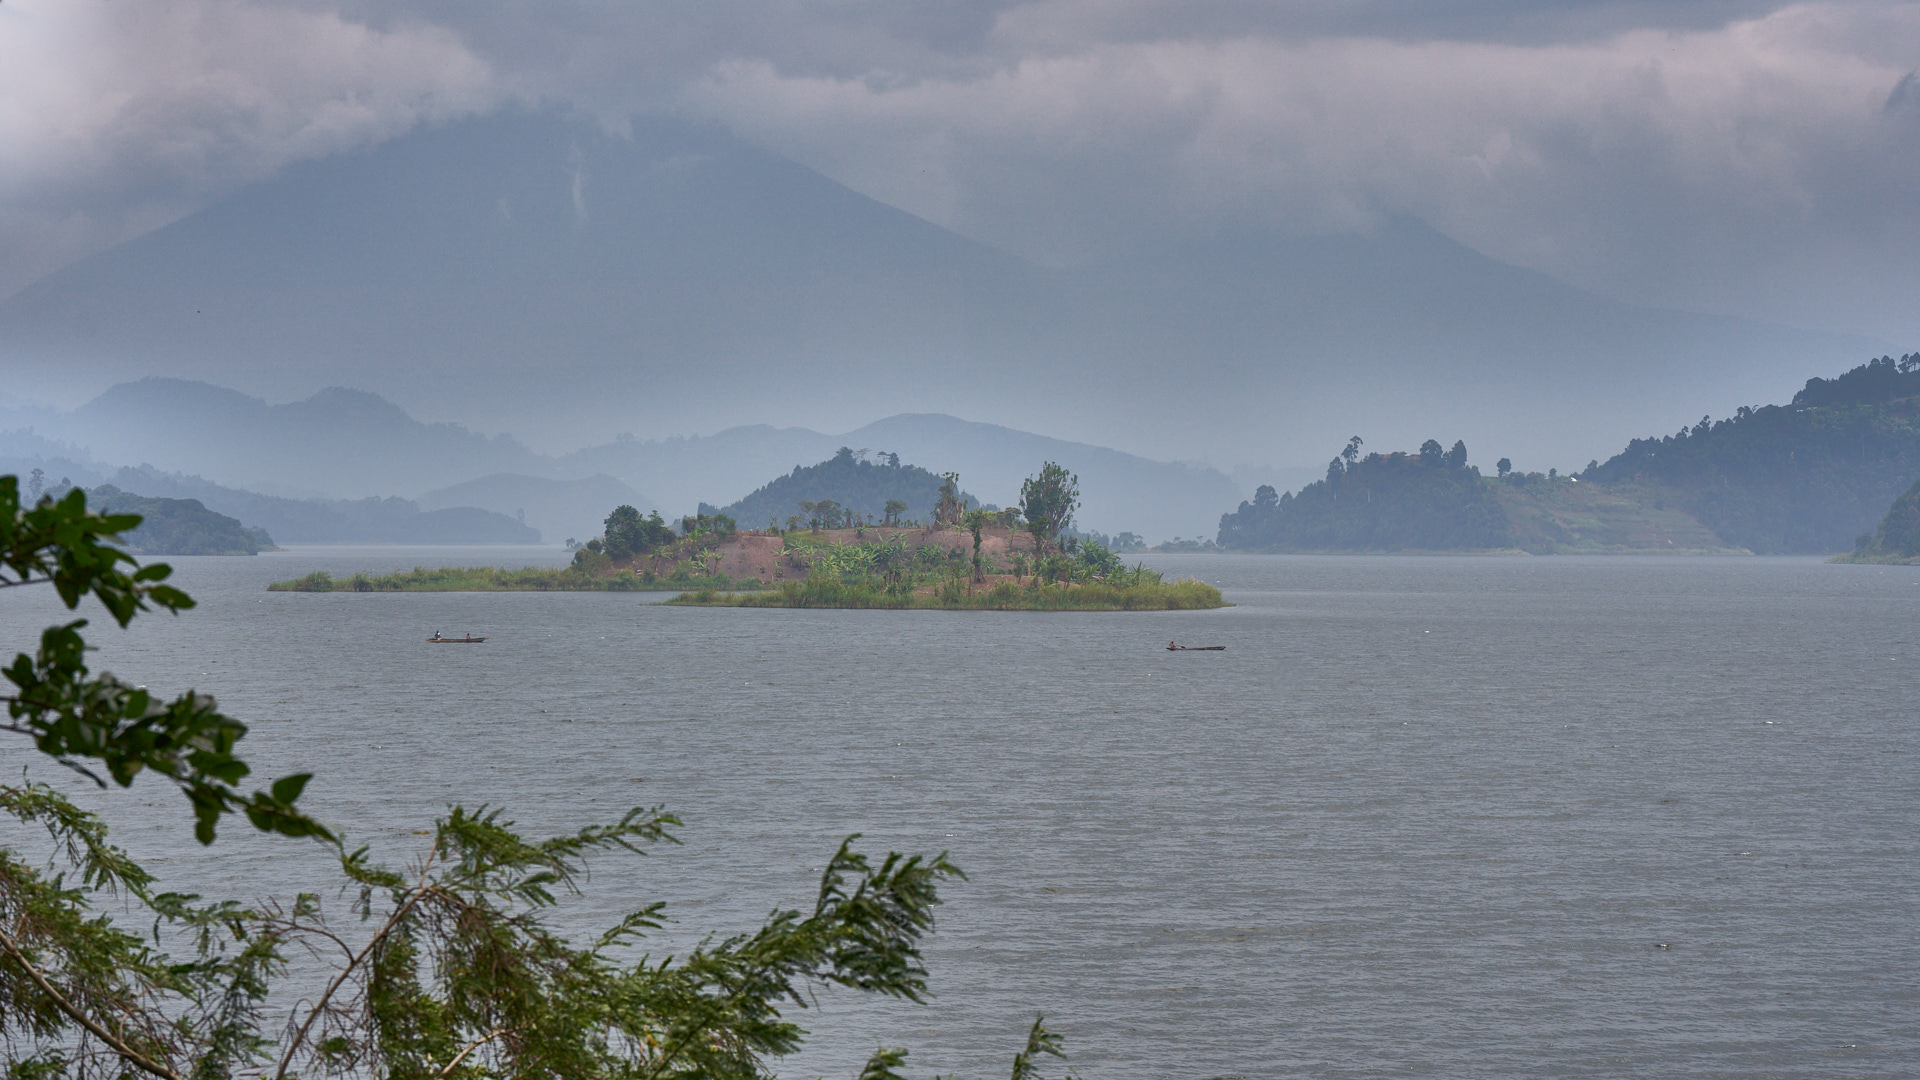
(1424, 816)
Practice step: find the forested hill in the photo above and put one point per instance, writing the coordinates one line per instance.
(852, 483)
(1430, 501)
(178, 526)
(1811, 476)
(1897, 540)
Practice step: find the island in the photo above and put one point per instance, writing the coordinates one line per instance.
(968, 557)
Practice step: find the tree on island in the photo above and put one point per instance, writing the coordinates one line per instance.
(719, 526)
(951, 505)
(977, 521)
(628, 534)
(1048, 501)
(446, 970)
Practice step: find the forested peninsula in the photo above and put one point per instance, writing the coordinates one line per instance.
(1809, 477)
(178, 526)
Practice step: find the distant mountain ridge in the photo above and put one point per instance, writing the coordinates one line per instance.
(373, 520)
(334, 442)
(531, 272)
(1119, 491)
(350, 444)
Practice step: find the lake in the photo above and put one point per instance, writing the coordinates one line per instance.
(1490, 817)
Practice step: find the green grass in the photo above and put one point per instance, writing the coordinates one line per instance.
(823, 593)
(499, 579)
(1875, 558)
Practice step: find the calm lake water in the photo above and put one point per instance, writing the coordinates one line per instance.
(1423, 817)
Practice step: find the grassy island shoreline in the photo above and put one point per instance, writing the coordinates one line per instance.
(959, 595)
(501, 579)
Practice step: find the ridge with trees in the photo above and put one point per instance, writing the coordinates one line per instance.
(844, 491)
(1807, 477)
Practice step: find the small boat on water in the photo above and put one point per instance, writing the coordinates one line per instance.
(1171, 647)
(464, 639)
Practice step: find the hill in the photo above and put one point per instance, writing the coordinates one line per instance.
(1119, 491)
(1806, 477)
(1563, 516)
(557, 508)
(390, 520)
(855, 485)
(1897, 540)
(1430, 501)
(534, 273)
(346, 444)
(178, 526)
(1810, 476)
(335, 442)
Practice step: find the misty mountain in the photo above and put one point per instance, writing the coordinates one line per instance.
(348, 445)
(558, 508)
(1118, 491)
(335, 442)
(373, 520)
(530, 273)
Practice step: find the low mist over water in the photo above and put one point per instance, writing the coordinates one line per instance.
(1422, 817)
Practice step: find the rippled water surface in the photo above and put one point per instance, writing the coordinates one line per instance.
(1423, 817)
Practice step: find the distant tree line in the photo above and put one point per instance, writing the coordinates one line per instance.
(1429, 500)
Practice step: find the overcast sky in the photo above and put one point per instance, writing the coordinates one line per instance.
(1740, 157)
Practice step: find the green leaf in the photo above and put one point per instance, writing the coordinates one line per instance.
(287, 789)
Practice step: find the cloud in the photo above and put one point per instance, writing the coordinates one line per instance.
(1719, 166)
(119, 117)
(1741, 156)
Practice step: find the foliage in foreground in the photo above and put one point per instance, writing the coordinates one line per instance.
(500, 579)
(955, 595)
(444, 970)
(76, 716)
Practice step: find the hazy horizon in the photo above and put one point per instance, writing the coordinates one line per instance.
(1234, 236)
